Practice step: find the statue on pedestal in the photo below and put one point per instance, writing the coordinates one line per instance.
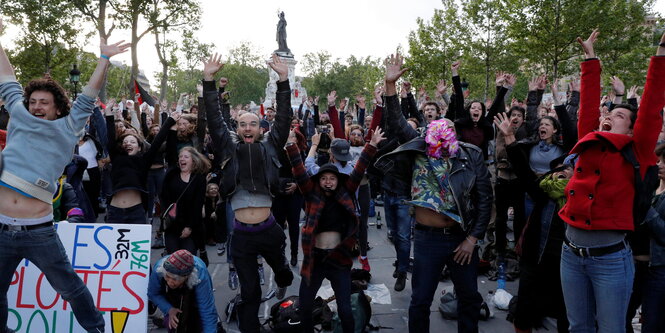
(282, 49)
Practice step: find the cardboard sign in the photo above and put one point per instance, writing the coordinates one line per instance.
(113, 260)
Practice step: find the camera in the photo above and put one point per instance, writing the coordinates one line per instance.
(323, 129)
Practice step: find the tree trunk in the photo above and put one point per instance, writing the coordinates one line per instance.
(101, 29)
(135, 59)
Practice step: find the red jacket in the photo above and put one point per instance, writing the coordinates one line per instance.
(600, 193)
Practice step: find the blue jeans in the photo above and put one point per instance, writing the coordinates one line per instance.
(431, 252)
(653, 301)
(398, 222)
(43, 248)
(597, 290)
(340, 280)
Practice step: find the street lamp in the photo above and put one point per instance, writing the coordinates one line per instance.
(74, 77)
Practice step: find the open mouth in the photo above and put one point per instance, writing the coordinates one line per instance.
(248, 138)
(515, 122)
(543, 133)
(39, 115)
(606, 127)
(561, 176)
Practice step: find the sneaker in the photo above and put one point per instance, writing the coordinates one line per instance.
(221, 248)
(365, 263)
(281, 292)
(233, 279)
(262, 276)
(400, 283)
(294, 260)
(158, 243)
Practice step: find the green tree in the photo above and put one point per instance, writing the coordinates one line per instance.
(435, 44)
(47, 43)
(150, 15)
(545, 31)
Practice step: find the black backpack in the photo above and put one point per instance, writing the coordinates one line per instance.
(645, 188)
(285, 315)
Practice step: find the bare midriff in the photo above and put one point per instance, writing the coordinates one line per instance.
(126, 199)
(430, 218)
(252, 215)
(328, 239)
(14, 204)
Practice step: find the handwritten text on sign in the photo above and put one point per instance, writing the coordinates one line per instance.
(112, 260)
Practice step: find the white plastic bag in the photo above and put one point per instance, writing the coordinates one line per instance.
(502, 299)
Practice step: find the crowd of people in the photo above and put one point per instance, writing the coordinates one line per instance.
(579, 174)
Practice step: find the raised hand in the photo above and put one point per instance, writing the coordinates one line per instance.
(455, 68)
(502, 122)
(361, 101)
(332, 98)
(632, 92)
(378, 94)
(587, 45)
(542, 82)
(509, 80)
(377, 137)
(343, 102)
(617, 86)
(316, 100)
(441, 88)
(110, 50)
(292, 137)
(212, 66)
(280, 67)
(574, 84)
(394, 68)
(499, 78)
(199, 89)
(533, 83)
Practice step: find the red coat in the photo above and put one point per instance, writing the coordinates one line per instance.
(600, 193)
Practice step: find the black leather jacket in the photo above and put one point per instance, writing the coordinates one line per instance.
(226, 142)
(469, 178)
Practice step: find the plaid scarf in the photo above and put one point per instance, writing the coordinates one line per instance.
(315, 200)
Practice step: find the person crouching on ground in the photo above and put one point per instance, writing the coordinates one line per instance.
(181, 287)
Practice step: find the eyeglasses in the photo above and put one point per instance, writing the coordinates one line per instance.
(356, 134)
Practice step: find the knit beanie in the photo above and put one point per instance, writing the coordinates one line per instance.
(180, 263)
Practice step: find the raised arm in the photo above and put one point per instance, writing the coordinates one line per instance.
(334, 115)
(589, 87)
(298, 168)
(280, 129)
(368, 152)
(456, 107)
(498, 105)
(395, 121)
(649, 121)
(219, 133)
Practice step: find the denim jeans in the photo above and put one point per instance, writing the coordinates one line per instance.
(653, 302)
(43, 248)
(432, 251)
(269, 243)
(340, 280)
(130, 215)
(398, 222)
(597, 290)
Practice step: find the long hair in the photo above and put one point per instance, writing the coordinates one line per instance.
(190, 130)
(201, 164)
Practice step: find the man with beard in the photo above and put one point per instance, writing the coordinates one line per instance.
(452, 196)
(250, 180)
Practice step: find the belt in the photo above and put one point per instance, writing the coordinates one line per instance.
(254, 225)
(446, 231)
(10, 227)
(595, 251)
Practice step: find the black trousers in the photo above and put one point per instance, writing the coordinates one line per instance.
(508, 193)
(286, 210)
(245, 247)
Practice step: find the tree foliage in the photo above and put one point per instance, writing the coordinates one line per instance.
(528, 37)
(349, 78)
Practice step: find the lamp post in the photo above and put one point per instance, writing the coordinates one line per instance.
(74, 77)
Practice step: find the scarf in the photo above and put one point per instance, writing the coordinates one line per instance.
(555, 189)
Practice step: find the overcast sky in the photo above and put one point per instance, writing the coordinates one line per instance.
(342, 27)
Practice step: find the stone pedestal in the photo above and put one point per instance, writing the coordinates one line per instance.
(296, 87)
